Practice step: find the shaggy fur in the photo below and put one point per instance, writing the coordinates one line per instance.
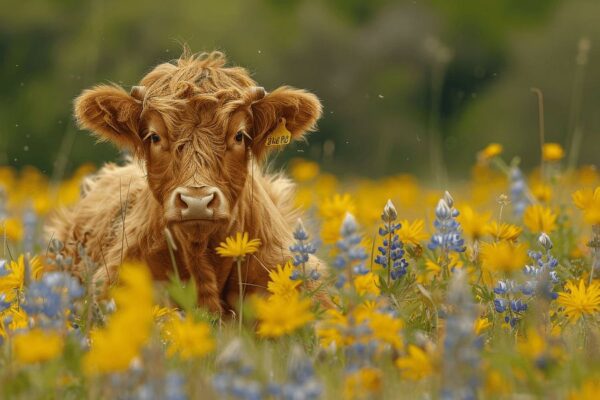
(197, 106)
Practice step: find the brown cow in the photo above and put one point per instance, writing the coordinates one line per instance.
(198, 132)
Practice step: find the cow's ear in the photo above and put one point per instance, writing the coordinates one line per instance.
(299, 108)
(111, 114)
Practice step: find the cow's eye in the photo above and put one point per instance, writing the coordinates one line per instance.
(239, 137)
(154, 138)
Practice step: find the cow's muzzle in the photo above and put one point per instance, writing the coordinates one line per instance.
(196, 203)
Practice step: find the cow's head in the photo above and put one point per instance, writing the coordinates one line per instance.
(196, 124)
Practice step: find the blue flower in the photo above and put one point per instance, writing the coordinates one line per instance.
(302, 250)
(352, 255)
(391, 254)
(235, 376)
(518, 192)
(51, 296)
(302, 383)
(448, 234)
(461, 364)
(543, 276)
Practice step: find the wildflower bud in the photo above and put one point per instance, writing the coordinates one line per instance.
(442, 211)
(389, 212)
(300, 232)
(503, 200)
(448, 199)
(348, 225)
(545, 241)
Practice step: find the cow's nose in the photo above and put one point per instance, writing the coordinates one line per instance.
(197, 202)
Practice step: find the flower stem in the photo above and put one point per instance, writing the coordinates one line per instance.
(241, 293)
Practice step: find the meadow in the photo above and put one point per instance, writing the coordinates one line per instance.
(487, 288)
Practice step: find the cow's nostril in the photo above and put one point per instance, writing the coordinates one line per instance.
(180, 203)
(213, 203)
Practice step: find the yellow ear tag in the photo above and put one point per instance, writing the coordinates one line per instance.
(280, 136)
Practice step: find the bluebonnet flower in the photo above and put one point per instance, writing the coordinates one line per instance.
(518, 191)
(168, 387)
(29, 225)
(509, 300)
(352, 255)
(50, 297)
(175, 386)
(302, 250)
(391, 254)
(448, 235)
(234, 376)
(302, 384)
(462, 348)
(542, 271)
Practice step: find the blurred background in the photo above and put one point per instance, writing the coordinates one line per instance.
(398, 79)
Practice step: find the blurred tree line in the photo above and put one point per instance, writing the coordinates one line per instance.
(390, 73)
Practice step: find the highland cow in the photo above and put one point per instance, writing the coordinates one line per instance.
(197, 131)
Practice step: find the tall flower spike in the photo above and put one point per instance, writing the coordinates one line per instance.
(352, 256)
(391, 254)
(302, 250)
(542, 271)
(448, 234)
(462, 347)
(518, 192)
(234, 374)
(301, 384)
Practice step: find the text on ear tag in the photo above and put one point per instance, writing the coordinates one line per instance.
(280, 136)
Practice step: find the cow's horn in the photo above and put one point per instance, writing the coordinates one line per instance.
(138, 92)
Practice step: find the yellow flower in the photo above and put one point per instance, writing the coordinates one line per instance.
(588, 201)
(362, 384)
(188, 339)
(491, 150)
(333, 210)
(161, 313)
(480, 325)
(416, 365)
(589, 391)
(13, 228)
(503, 256)
(539, 219)
(280, 315)
(337, 206)
(503, 231)
(552, 152)
(238, 247)
(329, 329)
(11, 283)
(496, 384)
(280, 283)
(434, 269)
(303, 170)
(412, 232)
(37, 345)
(367, 284)
(387, 329)
(580, 301)
(114, 346)
(12, 319)
(472, 222)
(542, 192)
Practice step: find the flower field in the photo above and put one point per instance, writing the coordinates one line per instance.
(488, 288)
